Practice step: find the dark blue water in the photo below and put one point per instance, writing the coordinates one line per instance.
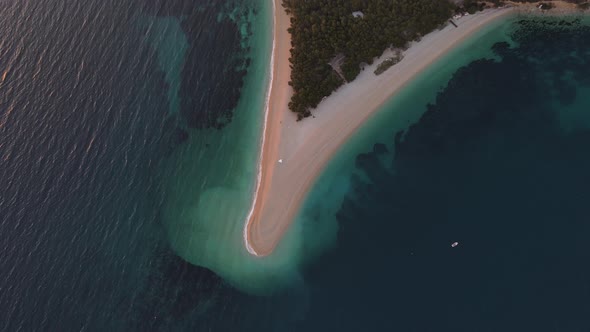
(81, 116)
(215, 64)
(499, 162)
(84, 125)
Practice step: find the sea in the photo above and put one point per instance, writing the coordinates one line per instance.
(461, 205)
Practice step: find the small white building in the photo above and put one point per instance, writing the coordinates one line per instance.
(358, 14)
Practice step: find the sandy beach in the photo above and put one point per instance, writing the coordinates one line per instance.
(304, 148)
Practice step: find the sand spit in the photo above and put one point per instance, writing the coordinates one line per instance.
(294, 153)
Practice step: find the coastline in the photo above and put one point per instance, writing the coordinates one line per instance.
(560, 8)
(276, 107)
(267, 103)
(305, 148)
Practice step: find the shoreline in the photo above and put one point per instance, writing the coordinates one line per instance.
(259, 173)
(278, 95)
(304, 148)
(561, 8)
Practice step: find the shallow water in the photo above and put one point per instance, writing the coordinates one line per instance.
(118, 116)
(96, 101)
(496, 161)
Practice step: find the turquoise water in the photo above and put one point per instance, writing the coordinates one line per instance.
(208, 182)
(129, 135)
(109, 112)
(397, 114)
(487, 148)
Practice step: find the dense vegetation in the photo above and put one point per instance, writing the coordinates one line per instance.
(322, 30)
(501, 2)
(330, 44)
(472, 6)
